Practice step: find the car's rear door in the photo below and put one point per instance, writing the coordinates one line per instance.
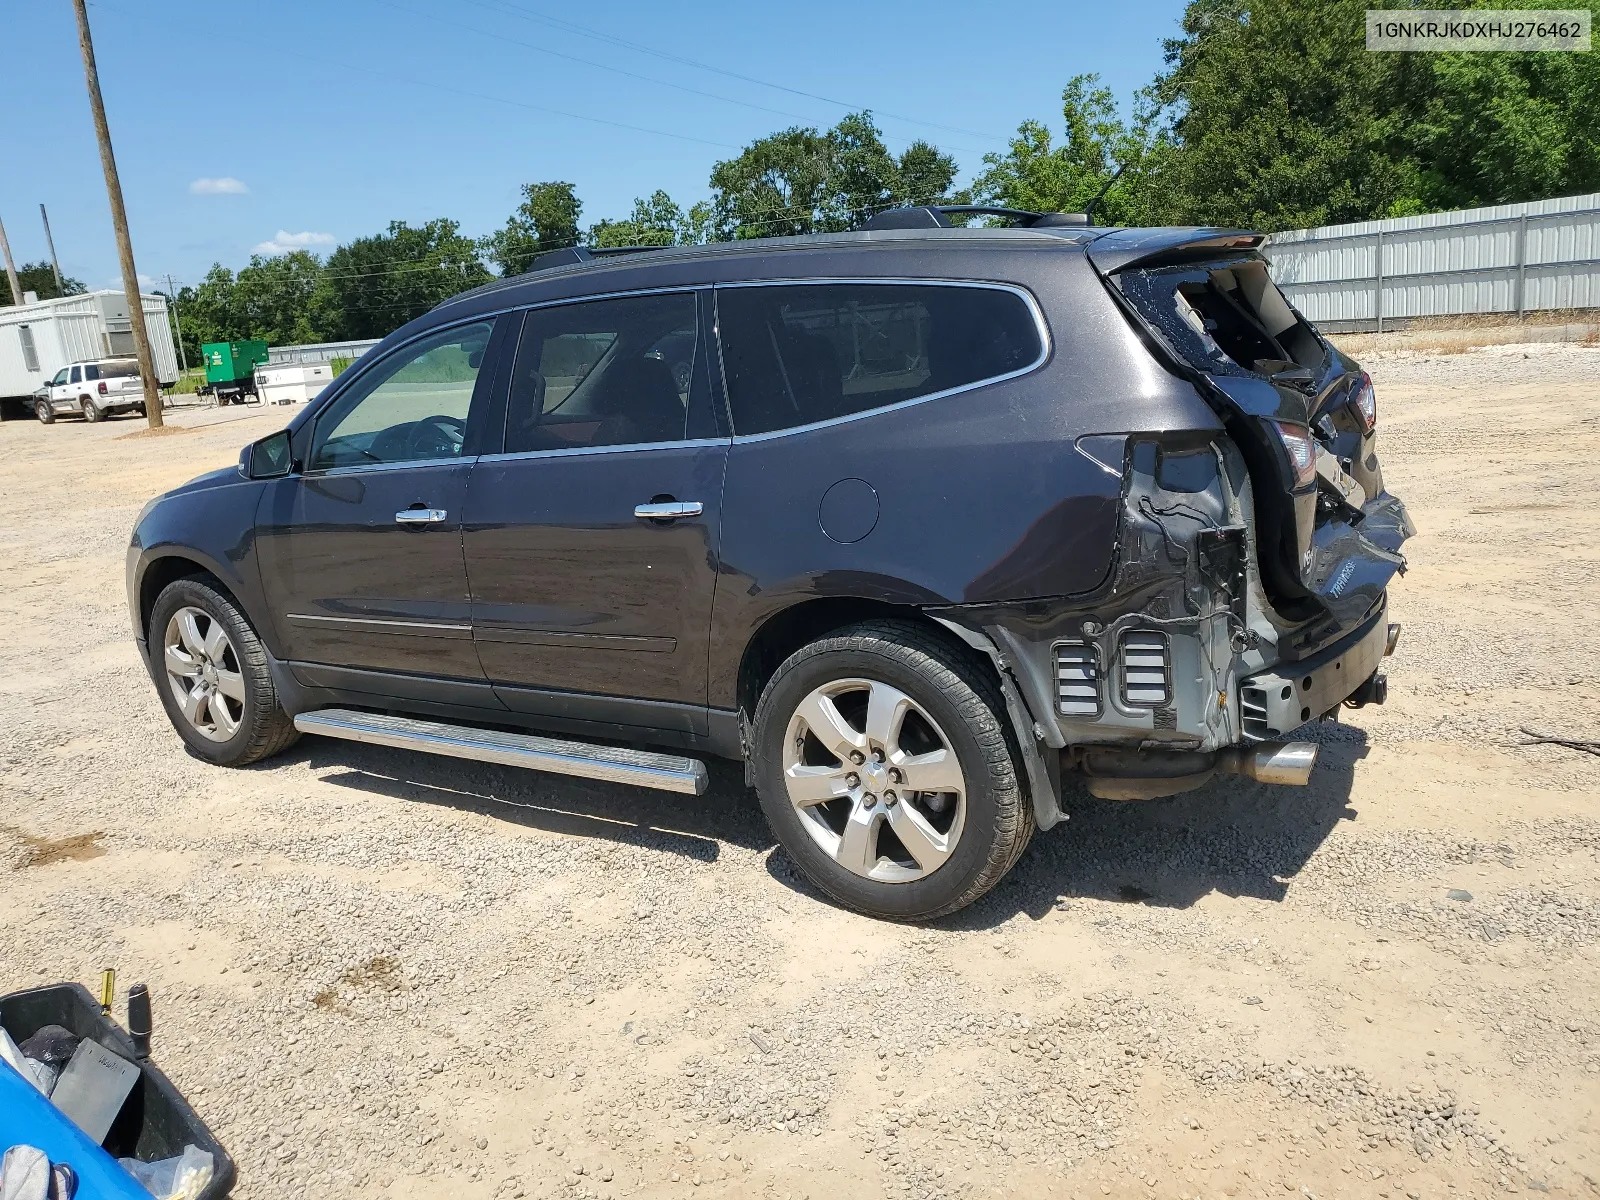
(361, 551)
(584, 604)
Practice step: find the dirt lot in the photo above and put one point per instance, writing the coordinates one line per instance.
(378, 974)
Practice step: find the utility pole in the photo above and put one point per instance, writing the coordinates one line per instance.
(55, 263)
(177, 323)
(119, 221)
(11, 267)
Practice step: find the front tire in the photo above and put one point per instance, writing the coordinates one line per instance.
(45, 411)
(884, 769)
(211, 670)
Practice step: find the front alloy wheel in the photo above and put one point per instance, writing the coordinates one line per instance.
(874, 780)
(202, 669)
(214, 675)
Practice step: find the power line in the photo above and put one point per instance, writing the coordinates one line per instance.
(499, 37)
(516, 10)
(392, 77)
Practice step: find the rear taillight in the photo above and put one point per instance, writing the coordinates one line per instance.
(102, 387)
(1365, 402)
(1302, 452)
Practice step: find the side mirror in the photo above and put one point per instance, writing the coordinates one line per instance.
(267, 458)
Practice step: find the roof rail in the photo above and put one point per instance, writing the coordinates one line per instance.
(569, 256)
(937, 216)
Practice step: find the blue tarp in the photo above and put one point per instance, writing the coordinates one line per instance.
(27, 1118)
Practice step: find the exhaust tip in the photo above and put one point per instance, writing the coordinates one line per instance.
(1288, 763)
(1394, 639)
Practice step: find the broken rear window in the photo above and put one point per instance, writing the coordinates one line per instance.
(1225, 318)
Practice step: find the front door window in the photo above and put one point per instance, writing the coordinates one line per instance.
(411, 408)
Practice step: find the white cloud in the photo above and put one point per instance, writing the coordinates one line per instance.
(226, 186)
(285, 241)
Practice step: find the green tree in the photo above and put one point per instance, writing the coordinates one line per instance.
(272, 298)
(1499, 128)
(40, 277)
(208, 312)
(1098, 147)
(654, 222)
(1284, 118)
(547, 219)
(373, 285)
(801, 181)
(699, 224)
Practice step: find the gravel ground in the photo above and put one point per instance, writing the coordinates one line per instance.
(378, 974)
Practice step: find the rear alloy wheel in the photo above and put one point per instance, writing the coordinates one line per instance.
(92, 411)
(211, 670)
(45, 411)
(885, 801)
(884, 768)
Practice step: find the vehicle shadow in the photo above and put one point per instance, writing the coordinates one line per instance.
(1232, 836)
(691, 826)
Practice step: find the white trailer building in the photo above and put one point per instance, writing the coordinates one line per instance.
(38, 339)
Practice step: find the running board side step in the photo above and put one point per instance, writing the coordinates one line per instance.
(666, 772)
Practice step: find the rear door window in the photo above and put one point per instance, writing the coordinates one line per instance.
(77, 374)
(619, 372)
(796, 354)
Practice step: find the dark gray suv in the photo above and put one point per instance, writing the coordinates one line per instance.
(910, 520)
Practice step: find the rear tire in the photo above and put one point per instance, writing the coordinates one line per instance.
(93, 412)
(211, 671)
(883, 846)
(45, 411)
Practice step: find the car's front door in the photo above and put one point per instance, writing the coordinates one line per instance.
(361, 551)
(591, 539)
(59, 388)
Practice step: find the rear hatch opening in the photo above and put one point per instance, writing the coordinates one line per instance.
(1302, 414)
(1241, 317)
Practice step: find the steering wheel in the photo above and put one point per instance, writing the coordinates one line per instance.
(438, 436)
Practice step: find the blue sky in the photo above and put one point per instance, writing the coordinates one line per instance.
(244, 125)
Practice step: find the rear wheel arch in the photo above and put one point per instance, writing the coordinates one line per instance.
(792, 628)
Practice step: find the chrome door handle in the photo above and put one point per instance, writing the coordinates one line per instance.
(669, 511)
(420, 516)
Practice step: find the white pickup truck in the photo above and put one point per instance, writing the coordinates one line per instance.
(93, 390)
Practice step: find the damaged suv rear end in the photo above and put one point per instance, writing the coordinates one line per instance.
(1247, 593)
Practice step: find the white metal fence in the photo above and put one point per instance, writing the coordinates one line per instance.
(1511, 258)
(320, 352)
